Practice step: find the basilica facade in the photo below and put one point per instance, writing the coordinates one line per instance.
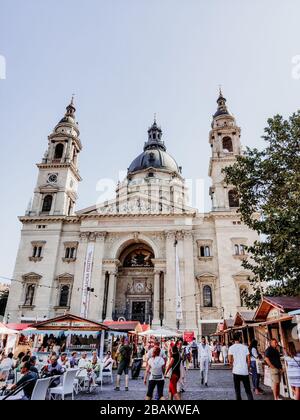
(145, 255)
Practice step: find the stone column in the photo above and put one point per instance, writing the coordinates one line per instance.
(96, 298)
(78, 276)
(111, 297)
(156, 298)
(188, 283)
(170, 289)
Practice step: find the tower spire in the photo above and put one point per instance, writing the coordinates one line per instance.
(222, 107)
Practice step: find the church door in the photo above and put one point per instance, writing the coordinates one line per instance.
(138, 311)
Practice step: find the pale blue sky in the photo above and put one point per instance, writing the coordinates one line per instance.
(125, 60)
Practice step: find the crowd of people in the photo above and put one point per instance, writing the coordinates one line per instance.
(172, 359)
(55, 366)
(163, 359)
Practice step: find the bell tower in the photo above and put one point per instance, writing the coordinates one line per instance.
(224, 139)
(56, 189)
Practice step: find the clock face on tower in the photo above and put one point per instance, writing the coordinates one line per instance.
(52, 178)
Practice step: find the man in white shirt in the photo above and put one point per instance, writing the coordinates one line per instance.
(204, 357)
(239, 359)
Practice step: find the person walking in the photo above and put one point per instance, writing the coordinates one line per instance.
(205, 358)
(194, 348)
(239, 359)
(125, 352)
(272, 358)
(292, 361)
(254, 357)
(174, 367)
(218, 351)
(225, 354)
(155, 367)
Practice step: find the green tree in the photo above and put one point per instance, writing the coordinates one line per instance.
(268, 185)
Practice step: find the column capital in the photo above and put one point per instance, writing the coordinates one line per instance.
(187, 234)
(170, 234)
(100, 236)
(84, 236)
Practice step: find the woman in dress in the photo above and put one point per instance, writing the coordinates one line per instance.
(174, 366)
(255, 356)
(293, 369)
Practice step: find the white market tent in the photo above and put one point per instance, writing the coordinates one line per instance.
(7, 331)
(160, 332)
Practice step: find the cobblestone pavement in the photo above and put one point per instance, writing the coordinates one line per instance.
(220, 388)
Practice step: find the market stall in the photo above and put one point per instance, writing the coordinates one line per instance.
(66, 333)
(8, 338)
(118, 330)
(276, 317)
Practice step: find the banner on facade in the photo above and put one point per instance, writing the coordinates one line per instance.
(87, 277)
(178, 286)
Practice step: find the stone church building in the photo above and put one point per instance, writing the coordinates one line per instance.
(145, 255)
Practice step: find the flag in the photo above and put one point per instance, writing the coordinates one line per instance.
(178, 285)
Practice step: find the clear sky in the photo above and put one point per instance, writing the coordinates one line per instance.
(126, 60)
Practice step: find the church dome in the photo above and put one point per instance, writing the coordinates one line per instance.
(154, 158)
(154, 154)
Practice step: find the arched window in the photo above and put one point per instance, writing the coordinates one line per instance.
(70, 253)
(47, 203)
(59, 150)
(243, 291)
(233, 198)
(207, 251)
(236, 249)
(207, 297)
(227, 145)
(242, 249)
(64, 295)
(29, 295)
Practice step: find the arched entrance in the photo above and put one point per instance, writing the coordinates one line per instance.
(135, 281)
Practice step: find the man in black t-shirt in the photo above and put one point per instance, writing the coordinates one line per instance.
(124, 352)
(272, 358)
(194, 348)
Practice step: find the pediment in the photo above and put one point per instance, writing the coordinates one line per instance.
(31, 275)
(48, 187)
(136, 203)
(205, 276)
(65, 276)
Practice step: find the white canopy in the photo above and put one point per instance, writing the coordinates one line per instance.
(7, 331)
(160, 332)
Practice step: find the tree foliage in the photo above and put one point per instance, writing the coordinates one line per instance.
(268, 185)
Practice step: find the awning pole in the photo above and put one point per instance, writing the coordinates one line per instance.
(102, 344)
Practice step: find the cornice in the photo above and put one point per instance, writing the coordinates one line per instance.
(68, 165)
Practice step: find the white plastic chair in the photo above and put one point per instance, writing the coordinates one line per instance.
(81, 382)
(40, 389)
(67, 386)
(103, 374)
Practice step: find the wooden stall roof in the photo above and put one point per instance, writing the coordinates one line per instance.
(125, 326)
(243, 317)
(223, 326)
(69, 322)
(283, 304)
